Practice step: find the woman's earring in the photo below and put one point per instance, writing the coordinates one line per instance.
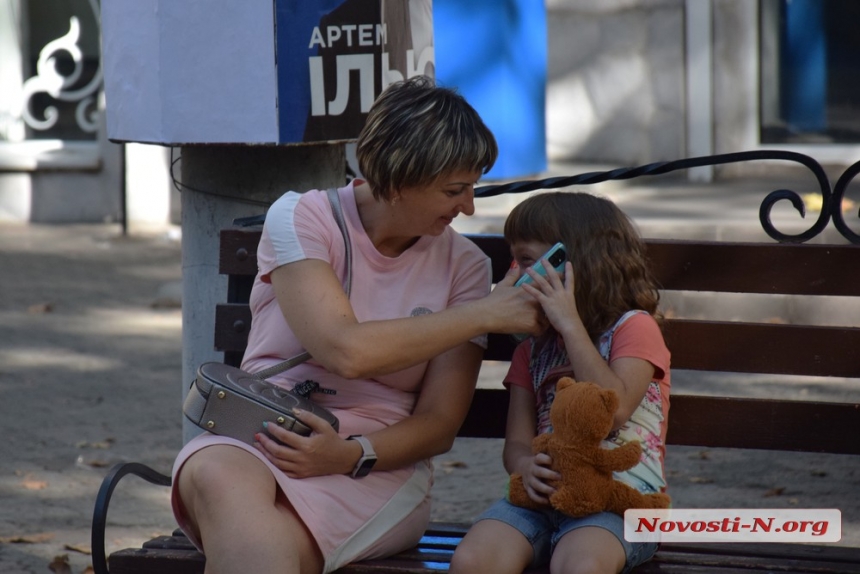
(393, 201)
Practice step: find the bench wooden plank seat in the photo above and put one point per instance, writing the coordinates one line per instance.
(721, 346)
(166, 553)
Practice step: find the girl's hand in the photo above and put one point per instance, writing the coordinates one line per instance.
(323, 452)
(537, 474)
(555, 295)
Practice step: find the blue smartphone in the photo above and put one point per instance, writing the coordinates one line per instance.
(556, 256)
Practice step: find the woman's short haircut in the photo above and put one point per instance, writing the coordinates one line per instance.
(416, 132)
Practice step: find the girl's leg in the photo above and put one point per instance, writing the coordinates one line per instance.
(245, 522)
(589, 549)
(492, 546)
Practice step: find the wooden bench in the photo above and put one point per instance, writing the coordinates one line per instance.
(769, 269)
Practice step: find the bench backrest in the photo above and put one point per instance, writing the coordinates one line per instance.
(698, 345)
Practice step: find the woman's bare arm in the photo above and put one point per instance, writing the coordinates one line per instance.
(319, 313)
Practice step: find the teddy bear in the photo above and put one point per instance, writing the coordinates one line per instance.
(581, 416)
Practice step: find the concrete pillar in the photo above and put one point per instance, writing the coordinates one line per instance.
(219, 184)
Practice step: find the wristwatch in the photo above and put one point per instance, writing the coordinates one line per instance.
(367, 459)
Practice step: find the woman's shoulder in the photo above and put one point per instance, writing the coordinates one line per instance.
(463, 246)
(291, 199)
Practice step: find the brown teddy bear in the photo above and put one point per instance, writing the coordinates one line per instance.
(581, 415)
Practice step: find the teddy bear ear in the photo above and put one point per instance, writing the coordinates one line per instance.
(563, 383)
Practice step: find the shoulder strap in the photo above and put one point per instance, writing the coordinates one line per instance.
(337, 211)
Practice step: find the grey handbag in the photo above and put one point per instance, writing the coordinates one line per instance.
(228, 401)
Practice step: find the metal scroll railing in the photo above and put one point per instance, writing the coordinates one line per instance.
(831, 201)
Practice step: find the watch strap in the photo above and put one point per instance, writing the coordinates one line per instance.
(366, 460)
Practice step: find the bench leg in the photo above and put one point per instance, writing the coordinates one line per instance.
(103, 499)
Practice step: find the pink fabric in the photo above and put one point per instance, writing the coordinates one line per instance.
(432, 275)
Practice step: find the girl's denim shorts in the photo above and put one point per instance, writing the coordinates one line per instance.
(544, 528)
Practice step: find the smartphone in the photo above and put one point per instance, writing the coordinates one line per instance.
(556, 257)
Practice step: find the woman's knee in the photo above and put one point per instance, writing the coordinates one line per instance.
(215, 471)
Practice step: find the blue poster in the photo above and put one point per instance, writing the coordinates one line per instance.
(334, 57)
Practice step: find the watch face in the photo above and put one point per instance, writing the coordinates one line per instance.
(364, 467)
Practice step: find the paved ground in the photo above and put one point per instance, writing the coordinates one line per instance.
(90, 375)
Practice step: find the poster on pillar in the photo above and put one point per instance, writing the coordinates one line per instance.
(182, 72)
(336, 56)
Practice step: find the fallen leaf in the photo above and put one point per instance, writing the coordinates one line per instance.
(83, 549)
(704, 455)
(701, 480)
(31, 484)
(819, 473)
(60, 564)
(454, 464)
(775, 491)
(106, 443)
(40, 308)
(93, 462)
(166, 303)
(28, 538)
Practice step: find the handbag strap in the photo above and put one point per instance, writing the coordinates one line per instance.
(337, 211)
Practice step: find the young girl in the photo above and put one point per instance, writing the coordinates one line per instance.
(603, 329)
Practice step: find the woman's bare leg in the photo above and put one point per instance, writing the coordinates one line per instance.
(245, 522)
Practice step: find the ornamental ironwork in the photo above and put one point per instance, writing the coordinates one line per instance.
(832, 200)
(49, 79)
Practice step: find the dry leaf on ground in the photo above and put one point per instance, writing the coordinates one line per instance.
(33, 484)
(60, 564)
(40, 308)
(81, 548)
(701, 480)
(27, 538)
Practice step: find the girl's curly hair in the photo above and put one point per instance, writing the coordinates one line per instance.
(604, 247)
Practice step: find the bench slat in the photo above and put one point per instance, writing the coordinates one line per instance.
(434, 551)
(696, 345)
(237, 251)
(160, 560)
(232, 322)
(717, 422)
(677, 264)
(756, 267)
(763, 348)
